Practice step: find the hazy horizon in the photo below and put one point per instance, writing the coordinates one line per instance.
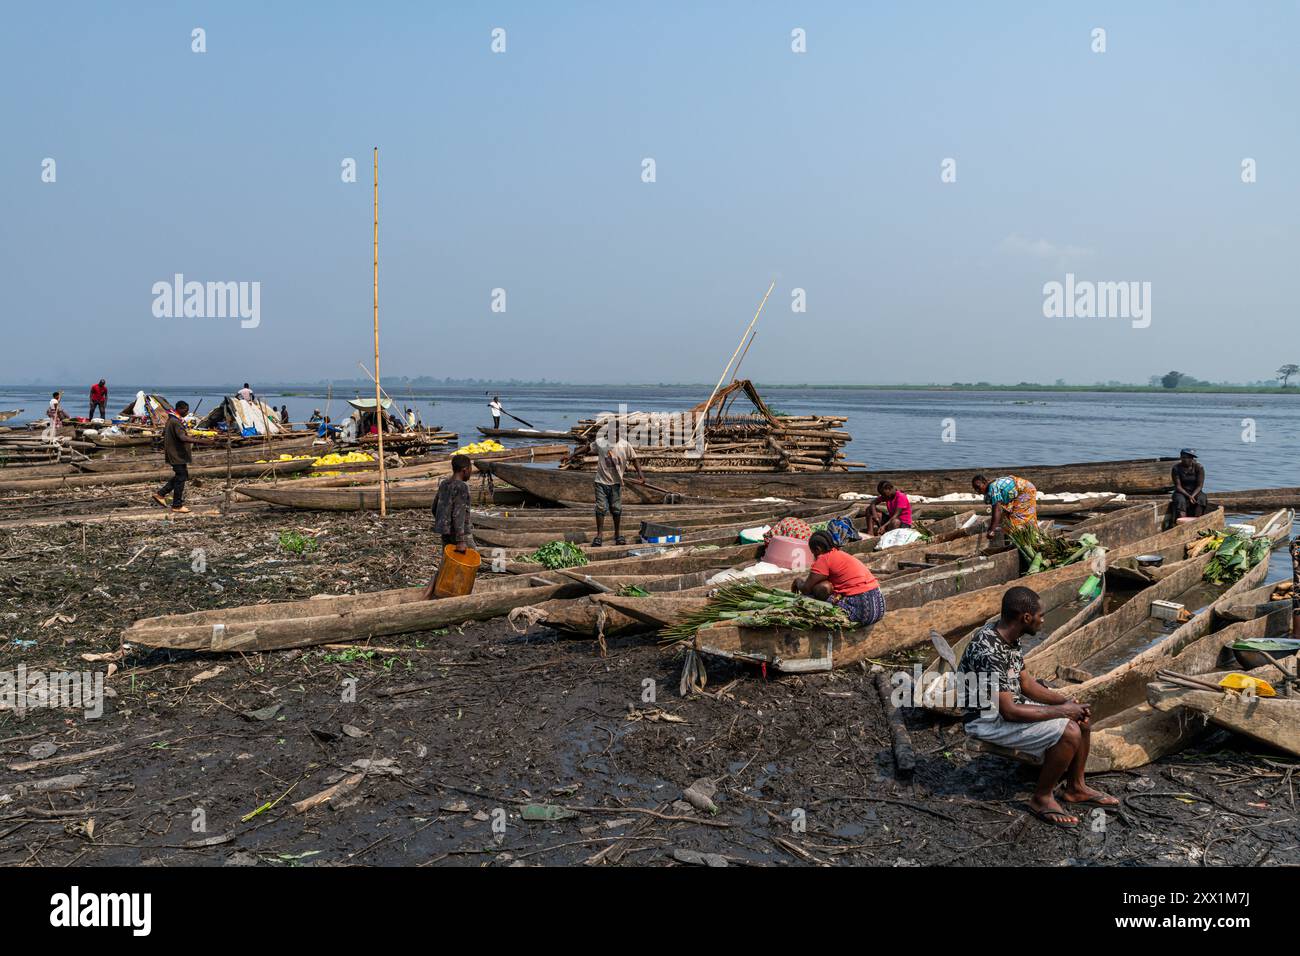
(522, 170)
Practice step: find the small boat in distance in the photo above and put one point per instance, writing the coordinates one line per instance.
(539, 434)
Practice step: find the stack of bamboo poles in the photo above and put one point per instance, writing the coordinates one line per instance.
(758, 441)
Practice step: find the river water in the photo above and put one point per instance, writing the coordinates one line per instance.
(1244, 441)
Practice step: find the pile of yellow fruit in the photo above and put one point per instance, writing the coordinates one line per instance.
(267, 461)
(334, 458)
(204, 432)
(480, 447)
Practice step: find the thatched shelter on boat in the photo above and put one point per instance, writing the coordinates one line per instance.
(734, 431)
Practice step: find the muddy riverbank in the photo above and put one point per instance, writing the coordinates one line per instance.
(444, 744)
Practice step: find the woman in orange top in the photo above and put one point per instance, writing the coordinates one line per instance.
(842, 580)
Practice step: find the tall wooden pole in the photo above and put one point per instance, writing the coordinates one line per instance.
(379, 410)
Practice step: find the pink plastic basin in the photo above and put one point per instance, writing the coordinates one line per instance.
(789, 553)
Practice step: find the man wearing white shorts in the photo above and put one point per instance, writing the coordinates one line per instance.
(1028, 716)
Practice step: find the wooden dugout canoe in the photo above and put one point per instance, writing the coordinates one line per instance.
(904, 588)
(1124, 686)
(260, 631)
(723, 529)
(798, 651)
(530, 434)
(1135, 736)
(1274, 721)
(1134, 476)
(725, 536)
(280, 468)
(679, 560)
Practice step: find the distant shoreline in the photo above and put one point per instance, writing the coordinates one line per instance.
(312, 388)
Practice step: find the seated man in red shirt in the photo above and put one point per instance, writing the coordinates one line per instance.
(843, 580)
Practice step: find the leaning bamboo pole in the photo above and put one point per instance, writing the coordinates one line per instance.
(697, 436)
(379, 409)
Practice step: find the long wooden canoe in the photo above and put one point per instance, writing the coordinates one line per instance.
(1135, 736)
(797, 651)
(907, 588)
(1135, 476)
(724, 536)
(253, 470)
(724, 529)
(531, 434)
(262, 629)
(1274, 721)
(1124, 686)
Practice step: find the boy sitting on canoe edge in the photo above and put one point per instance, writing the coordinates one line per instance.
(1029, 716)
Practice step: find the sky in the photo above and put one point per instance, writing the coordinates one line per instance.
(524, 170)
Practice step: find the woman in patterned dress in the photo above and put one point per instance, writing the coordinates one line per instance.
(1011, 497)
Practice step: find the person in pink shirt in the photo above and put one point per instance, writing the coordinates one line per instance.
(890, 510)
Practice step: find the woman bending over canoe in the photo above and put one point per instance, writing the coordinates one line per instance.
(890, 510)
(1012, 498)
(841, 579)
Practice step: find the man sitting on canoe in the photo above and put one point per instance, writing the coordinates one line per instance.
(1012, 498)
(841, 579)
(451, 510)
(892, 509)
(1026, 715)
(611, 461)
(1189, 486)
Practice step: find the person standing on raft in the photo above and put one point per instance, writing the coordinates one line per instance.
(839, 578)
(1012, 498)
(494, 407)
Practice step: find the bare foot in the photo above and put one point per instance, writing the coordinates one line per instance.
(1088, 795)
(1049, 811)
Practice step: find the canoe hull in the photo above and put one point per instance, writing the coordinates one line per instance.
(1136, 476)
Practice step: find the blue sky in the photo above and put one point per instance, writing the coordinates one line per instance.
(522, 171)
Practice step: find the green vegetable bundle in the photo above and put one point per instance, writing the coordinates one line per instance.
(1236, 554)
(558, 554)
(752, 604)
(1043, 550)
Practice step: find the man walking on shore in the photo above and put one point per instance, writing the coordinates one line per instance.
(176, 450)
(611, 461)
(451, 511)
(99, 399)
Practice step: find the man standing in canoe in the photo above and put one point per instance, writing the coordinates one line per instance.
(494, 407)
(841, 579)
(176, 451)
(99, 399)
(1189, 486)
(451, 511)
(892, 509)
(612, 459)
(1012, 498)
(1027, 716)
